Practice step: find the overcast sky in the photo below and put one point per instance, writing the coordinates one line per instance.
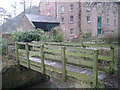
(6, 4)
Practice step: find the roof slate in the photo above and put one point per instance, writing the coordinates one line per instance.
(41, 18)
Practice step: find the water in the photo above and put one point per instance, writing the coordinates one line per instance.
(53, 83)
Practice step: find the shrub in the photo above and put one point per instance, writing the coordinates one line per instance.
(110, 37)
(3, 46)
(39, 35)
(28, 36)
(56, 34)
(87, 35)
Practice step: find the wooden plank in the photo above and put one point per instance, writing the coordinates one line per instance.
(51, 68)
(30, 44)
(69, 59)
(106, 58)
(42, 59)
(38, 64)
(75, 44)
(64, 77)
(23, 63)
(47, 43)
(35, 49)
(79, 49)
(34, 54)
(87, 45)
(52, 57)
(27, 54)
(23, 43)
(95, 69)
(33, 67)
(112, 63)
(52, 51)
(31, 53)
(23, 59)
(79, 54)
(79, 61)
(17, 53)
(52, 47)
(79, 76)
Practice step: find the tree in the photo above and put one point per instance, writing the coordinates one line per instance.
(14, 7)
(26, 4)
(2, 15)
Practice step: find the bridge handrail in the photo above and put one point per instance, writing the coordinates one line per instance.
(63, 56)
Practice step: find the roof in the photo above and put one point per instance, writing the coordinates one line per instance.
(41, 18)
(12, 24)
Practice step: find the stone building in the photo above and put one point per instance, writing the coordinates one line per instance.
(67, 13)
(98, 18)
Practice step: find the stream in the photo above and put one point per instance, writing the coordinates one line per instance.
(53, 83)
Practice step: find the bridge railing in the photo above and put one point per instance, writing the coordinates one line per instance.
(65, 54)
(105, 54)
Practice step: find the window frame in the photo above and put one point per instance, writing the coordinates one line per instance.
(71, 31)
(115, 22)
(71, 7)
(88, 18)
(71, 20)
(62, 9)
(108, 21)
(62, 19)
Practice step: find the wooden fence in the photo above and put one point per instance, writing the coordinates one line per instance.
(79, 55)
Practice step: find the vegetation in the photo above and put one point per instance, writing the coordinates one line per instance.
(3, 46)
(28, 36)
(56, 35)
(110, 37)
(86, 35)
(38, 35)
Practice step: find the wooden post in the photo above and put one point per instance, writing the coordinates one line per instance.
(27, 54)
(84, 52)
(95, 69)
(112, 66)
(64, 77)
(17, 53)
(42, 59)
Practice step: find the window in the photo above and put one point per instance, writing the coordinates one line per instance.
(107, 21)
(115, 22)
(71, 18)
(48, 13)
(62, 9)
(71, 7)
(47, 2)
(107, 11)
(99, 22)
(115, 10)
(99, 31)
(62, 19)
(88, 18)
(71, 30)
(88, 6)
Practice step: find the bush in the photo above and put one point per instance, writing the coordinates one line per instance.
(110, 37)
(87, 35)
(28, 36)
(56, 35)
(3, 46)
(39, 35)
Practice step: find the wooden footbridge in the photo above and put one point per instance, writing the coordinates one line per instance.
(84, 62)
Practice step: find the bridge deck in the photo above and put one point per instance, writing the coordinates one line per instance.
(101, 75)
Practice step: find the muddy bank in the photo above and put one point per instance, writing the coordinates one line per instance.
(19, 77)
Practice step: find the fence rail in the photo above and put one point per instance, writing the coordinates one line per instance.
(65, 54)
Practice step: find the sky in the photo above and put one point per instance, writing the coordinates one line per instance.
(6, 4)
